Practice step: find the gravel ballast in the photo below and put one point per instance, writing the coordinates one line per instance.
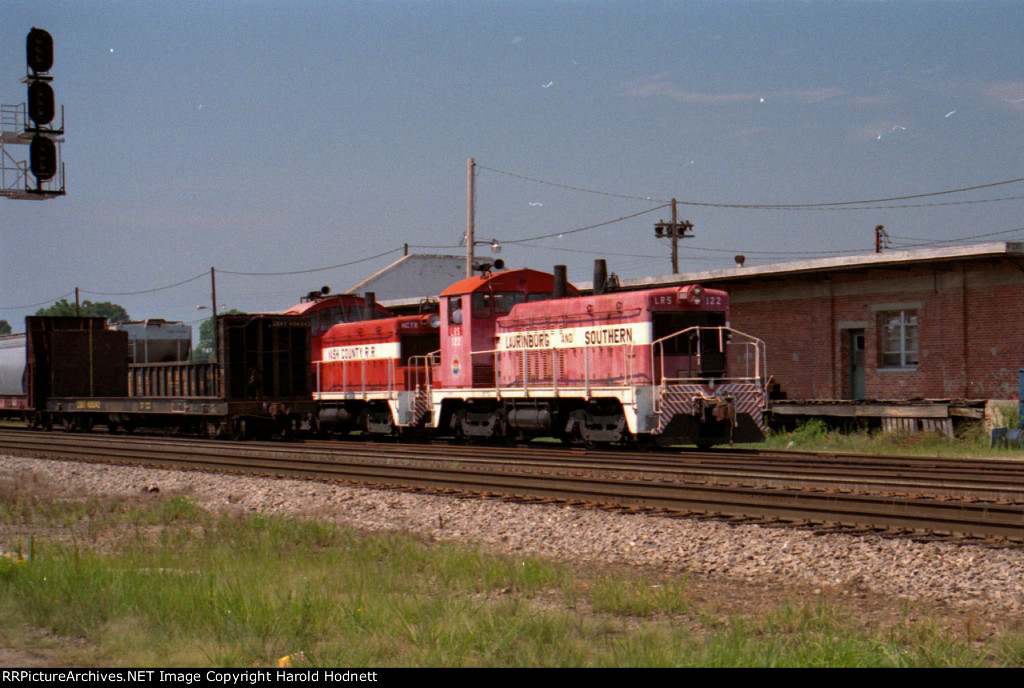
(961, 576)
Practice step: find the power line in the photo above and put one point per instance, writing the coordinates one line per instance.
(145, 291)
(37, 305)
(792, 206)
(304, 272)
(193, 279)
(836, 205)
(933, 242)
(826, 207)
(571, 188)
(563, 249)
(584, 229)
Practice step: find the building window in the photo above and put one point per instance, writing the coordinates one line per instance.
(898, 338)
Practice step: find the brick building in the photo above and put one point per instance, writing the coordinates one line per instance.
(901, 325)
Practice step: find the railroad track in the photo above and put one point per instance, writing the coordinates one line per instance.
(976, 499)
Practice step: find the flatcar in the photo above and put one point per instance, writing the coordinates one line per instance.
(78, 374)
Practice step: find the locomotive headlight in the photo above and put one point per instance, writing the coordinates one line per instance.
(434, 321)
(694, 294)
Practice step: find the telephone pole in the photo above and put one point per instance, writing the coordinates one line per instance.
(881, 238)
(470, 217)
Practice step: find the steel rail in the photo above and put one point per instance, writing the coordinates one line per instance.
(787, 504)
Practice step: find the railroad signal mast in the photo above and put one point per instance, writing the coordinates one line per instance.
(674, 230)
(32, 124)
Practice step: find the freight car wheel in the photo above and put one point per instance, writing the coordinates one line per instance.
(240, 430)
(73, 423)
(213, 429)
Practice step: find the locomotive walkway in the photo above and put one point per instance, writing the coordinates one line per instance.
(895, 495)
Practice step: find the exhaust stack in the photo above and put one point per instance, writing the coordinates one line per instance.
(600, 276)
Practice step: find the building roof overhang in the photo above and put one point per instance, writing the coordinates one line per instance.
(821, 266)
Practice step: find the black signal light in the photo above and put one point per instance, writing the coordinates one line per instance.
(43, 158)
(40, 103)
(39, 50)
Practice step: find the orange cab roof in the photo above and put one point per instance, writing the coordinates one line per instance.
(506, 280)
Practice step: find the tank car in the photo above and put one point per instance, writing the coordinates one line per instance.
(523, 355)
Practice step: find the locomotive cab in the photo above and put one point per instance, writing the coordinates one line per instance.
(325, 310)
(689, 342)
(470, 310)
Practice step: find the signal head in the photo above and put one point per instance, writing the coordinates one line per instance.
(43, 158)
(39, 50)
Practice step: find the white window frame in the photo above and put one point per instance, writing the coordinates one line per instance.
(899, 349)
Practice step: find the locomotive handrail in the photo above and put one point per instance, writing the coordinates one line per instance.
(726, 336)
(417, 366)
(429, 361)
(628, 372)
(363, 389)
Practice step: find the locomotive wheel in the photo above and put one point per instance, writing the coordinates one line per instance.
(458, 436)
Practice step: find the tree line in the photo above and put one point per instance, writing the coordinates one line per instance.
(103, 309)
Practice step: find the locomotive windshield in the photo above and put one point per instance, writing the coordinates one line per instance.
(709, 343)
(487, 304)
(328, 318)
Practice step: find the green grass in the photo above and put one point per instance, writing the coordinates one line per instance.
(166, 583)
(816, 435)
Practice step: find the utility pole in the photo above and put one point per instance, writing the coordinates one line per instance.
(881, 238)
(673, 230)
(470, 217)
(216, 336)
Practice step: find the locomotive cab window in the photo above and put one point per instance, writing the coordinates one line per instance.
(489, 304)
(455, 310)
(666, 324)
(330, 317)
(710, 345)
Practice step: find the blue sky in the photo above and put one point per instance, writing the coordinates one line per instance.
(285, 136)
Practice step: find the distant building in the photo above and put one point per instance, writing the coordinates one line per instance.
(412, 277)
